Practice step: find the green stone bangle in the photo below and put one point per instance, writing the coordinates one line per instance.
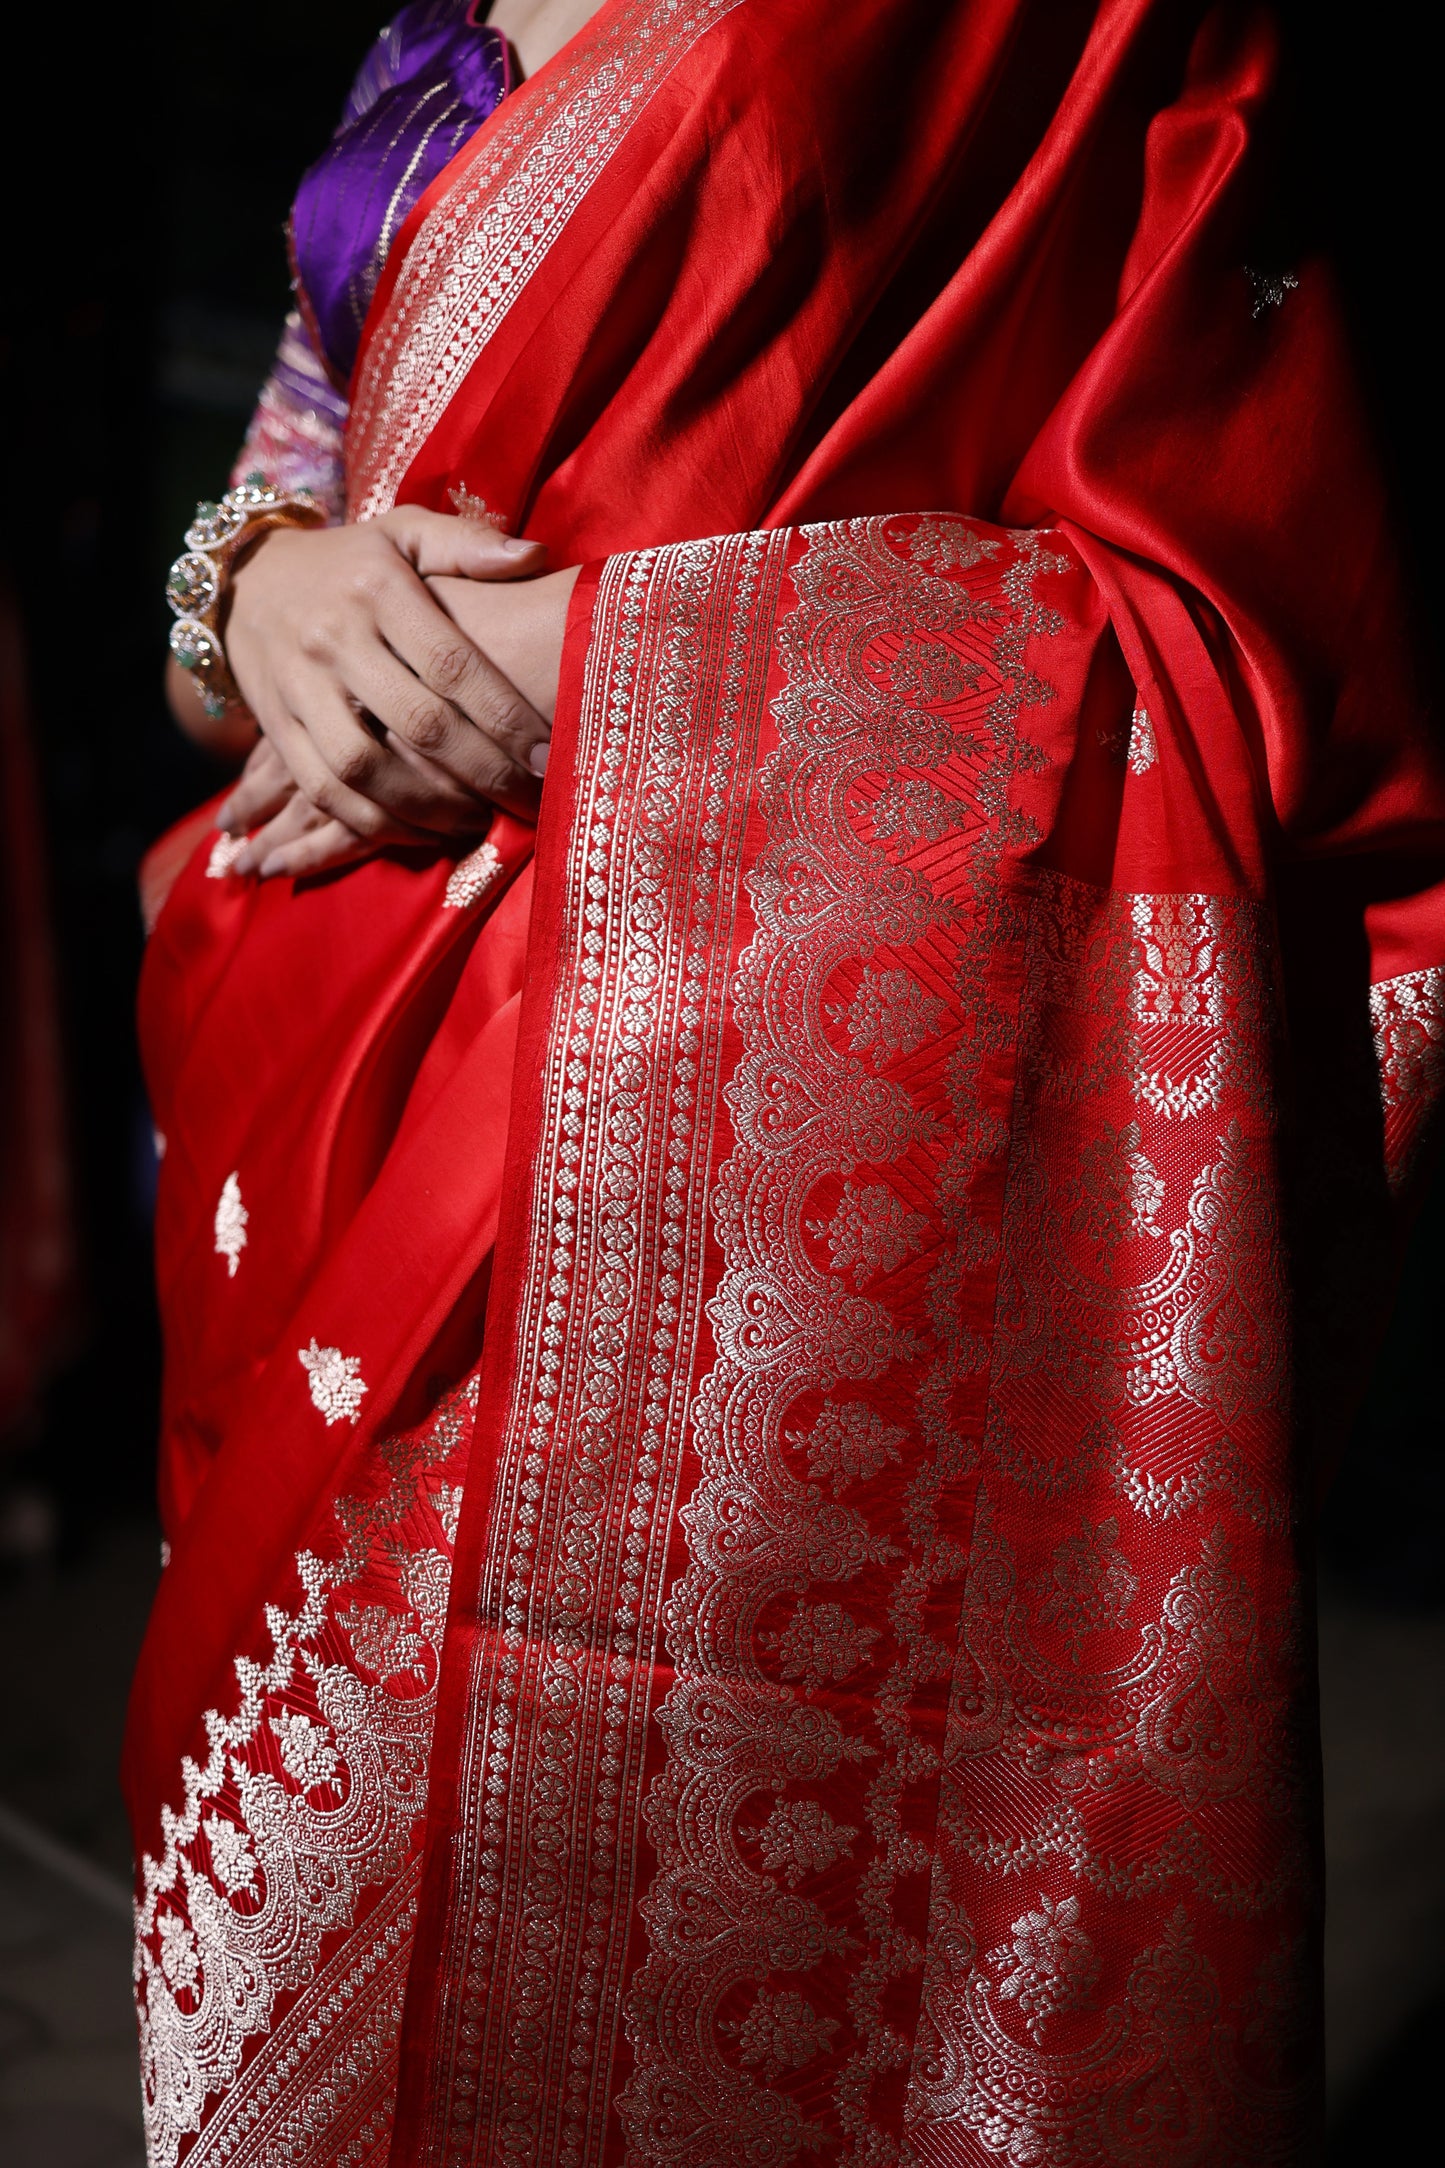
(197, 582)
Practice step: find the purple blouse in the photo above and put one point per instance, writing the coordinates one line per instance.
(428, 83)
(430, 80)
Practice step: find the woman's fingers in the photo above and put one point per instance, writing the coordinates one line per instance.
(472, 549)
(310, 846)
(302, 840)
(329, 843)
(349, 773)
(435, 738)
(264, 785)
(496, 758)
(447, 700)
(297, 740)
(296, 818)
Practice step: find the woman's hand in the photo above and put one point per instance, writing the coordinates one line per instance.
(293, 837)
(390, 720)
(518, 627)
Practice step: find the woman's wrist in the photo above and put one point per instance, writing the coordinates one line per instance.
(198, 586)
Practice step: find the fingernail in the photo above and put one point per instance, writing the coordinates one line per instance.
(223, 817)
(537, 758)
(271, 865)
(515, 544)
(244, 861)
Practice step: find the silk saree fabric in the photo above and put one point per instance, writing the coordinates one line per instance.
(740, 1419)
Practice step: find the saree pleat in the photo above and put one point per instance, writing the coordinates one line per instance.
(741, 1413)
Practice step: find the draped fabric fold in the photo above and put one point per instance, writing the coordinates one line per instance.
(740, 1413)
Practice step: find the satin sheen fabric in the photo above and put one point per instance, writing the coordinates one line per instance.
(825, 264)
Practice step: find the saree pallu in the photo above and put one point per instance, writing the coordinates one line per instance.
(827, 1673)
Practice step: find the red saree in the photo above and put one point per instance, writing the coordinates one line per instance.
(828, 1676)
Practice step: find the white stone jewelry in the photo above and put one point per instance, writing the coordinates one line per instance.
(198, 580)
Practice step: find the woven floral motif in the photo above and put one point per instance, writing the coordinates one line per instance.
(274, 1934)
(886, 1699)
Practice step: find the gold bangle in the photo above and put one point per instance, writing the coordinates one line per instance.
(197, 582)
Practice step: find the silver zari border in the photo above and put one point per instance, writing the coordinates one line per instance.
(552, 1770)
(487, 237)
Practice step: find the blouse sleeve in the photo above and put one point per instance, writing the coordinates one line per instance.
(298, 432)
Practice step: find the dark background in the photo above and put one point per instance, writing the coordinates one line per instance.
(143, 298)
(143, 287)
